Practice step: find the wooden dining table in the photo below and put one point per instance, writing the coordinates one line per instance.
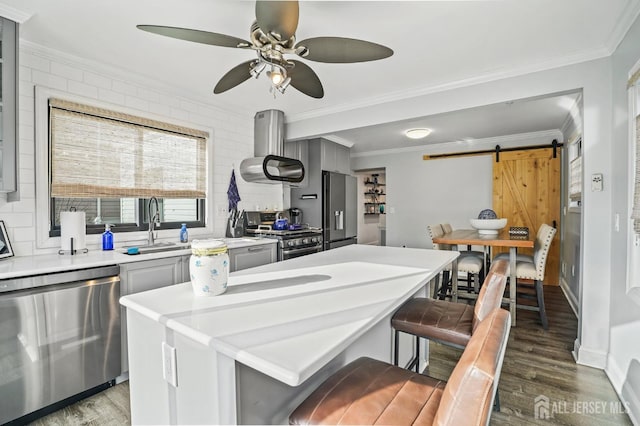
(502, 239)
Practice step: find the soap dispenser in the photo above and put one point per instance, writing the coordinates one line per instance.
(107, 238)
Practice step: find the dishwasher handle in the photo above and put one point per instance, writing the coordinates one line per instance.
(35, 281)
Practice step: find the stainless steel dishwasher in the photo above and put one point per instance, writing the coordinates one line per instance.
(59, 340)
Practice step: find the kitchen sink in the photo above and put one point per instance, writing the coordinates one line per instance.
(156, 247)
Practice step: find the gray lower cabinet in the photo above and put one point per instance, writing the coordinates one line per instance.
(248, 257)
(147, 275)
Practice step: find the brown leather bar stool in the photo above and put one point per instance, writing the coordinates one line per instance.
(368, 391)
(446, 322)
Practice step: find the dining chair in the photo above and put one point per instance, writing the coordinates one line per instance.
(446, 227)
(468, 263)
(532, 268)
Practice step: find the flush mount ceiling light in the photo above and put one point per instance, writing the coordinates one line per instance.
(272, 35)
(417, 133)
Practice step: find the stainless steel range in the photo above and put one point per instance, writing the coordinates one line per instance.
(294, 241)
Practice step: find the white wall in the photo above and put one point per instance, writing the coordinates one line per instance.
(231, 137)
(623, 363)
(594, 78)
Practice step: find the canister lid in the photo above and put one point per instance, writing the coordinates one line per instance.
(208, 247)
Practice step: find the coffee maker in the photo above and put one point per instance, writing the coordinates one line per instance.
(296, 215)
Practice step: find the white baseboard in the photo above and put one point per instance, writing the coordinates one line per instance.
(625, 392)
(573, 302)
(589, 357)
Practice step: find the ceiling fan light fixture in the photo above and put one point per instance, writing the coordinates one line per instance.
(282, 87)
(257, 69)
(276, 75)
(418, 133)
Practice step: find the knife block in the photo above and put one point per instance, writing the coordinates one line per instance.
(234, 231)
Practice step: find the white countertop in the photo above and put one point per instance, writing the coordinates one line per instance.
(15, 267)
(290, 318)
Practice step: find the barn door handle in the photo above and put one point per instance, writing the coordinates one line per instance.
(555, 224)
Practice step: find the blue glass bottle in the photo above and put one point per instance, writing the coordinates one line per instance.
(184, 234)
(107, 238)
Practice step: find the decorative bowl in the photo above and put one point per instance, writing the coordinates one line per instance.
(488, 226)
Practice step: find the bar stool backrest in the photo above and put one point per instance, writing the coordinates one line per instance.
(492, 291)
(541, 249)
(468, 396)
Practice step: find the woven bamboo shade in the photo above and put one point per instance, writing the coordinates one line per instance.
(98, 153)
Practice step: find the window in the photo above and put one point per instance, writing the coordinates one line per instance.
(575, 173)
(109, 164)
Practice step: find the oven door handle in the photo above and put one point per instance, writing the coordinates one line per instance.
(311, 249)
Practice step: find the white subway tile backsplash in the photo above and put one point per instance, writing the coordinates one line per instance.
(232, 138)
(83, 89)
(49, 80)
(97, 80)
(160, 109)
(17, 220)
(137, 103)
(34, 62)
(66, 71)
(24, 73)
(110, 96)
(125, 88)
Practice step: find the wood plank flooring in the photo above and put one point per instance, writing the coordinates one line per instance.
(537, 362)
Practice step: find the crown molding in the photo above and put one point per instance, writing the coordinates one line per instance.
(472, 81)
(16, 15)
(509, 141)
(126, 76)
(629, 15)
(573, 116)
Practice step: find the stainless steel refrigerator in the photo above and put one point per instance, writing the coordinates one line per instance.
(339, 209)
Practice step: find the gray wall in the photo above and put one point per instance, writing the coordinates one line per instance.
(423, 192)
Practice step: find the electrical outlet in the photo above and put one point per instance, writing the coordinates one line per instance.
(564, 269)
(596, 182)
(617, 222)
(573, 270)
(169, 372)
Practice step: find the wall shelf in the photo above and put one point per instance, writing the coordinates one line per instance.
(373, 205)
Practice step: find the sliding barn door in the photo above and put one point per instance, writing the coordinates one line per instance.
(526, 191)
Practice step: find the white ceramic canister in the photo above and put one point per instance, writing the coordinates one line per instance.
(209, 267)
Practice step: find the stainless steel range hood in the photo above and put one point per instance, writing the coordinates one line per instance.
(269, 165)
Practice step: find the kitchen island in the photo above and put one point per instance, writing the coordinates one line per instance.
(255, 352)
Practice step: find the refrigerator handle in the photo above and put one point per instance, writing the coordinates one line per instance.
(339, 214)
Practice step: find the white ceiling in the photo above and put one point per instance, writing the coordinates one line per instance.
(436, 44)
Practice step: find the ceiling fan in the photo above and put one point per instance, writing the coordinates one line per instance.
(272, 37)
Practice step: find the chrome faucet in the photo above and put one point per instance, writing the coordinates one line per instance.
(153, 219)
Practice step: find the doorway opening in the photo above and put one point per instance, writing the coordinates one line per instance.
(372, 197)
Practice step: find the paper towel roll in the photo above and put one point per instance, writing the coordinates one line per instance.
(72, 225)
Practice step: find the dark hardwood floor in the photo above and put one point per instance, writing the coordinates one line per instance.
(537, 362)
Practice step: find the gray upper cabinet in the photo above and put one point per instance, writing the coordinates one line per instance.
(335, 157)
(8, 108)
(299, 150)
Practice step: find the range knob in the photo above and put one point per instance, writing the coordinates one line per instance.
(291, 243)
(305, 241)
(314, 239)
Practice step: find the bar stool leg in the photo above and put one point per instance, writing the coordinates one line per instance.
(395, 347)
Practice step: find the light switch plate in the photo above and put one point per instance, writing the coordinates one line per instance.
(596, 182)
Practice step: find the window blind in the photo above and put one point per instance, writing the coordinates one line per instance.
(98, 153)
(575, 179)
(635, 214)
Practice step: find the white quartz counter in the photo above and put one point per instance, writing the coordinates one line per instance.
(15, 267)
(288, 319)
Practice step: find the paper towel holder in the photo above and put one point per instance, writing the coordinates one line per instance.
(73, 251)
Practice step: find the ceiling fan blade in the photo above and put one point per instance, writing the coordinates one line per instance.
(340, 50)
(197, 36)
(305, 80)
(278, 17)
(236, 75)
